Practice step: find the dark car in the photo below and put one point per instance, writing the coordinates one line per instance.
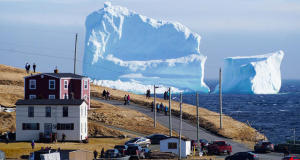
(264, 146)
(242, 156)
(135, 150)
(112, 153)
(156, 138)
(291, 158)
(121, 148)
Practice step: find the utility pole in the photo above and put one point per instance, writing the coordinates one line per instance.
(170, 113)
(75, 54)
(197, 105)
(180, 127)
(294, 135)
(154, 106)
(220, 96)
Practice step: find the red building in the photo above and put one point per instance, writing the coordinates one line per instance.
(57, 86)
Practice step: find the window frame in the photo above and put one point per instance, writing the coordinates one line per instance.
(171, 145)
(65, 114)
(29, 126)
(31, 83)
(49, 87)
(66, 85)
(85, 84)
(30, 110)
(51, 96)
(48, 114)
(65, 126)
(32, 96)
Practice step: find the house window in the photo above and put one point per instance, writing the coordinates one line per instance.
(66, 96)
(65, 126)
(32, 96)
(32, 84)
(85, 84)
(51, 96)
(52, 84)
(30, 111)
(30, 126)
(65, 112)
(172, 145)
(48, 111)
(65, 84)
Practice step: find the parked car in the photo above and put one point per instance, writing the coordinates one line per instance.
(156, 138)
(203, 143)
(219, 147)
(264, 146)
(243, 156)
(135, 150)
(121, 148)
(112, 153)
(142, 141)
(291, 158)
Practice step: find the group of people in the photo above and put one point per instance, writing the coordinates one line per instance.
(126, 99)
(106, 95)
(160, 107)
(101, 154)
(166, 95)
(148, 94)
(27, 67)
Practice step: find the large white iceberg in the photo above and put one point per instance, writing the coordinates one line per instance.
(122, 45)
(252, 75)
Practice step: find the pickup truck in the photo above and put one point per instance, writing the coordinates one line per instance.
(219, 147)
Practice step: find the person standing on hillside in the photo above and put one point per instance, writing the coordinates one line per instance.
(128, 99)
(26, 67)
(34, 67)
(125, 99)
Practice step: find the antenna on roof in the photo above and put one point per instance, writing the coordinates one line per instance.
(75, 54)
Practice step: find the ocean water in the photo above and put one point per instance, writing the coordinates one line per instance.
(273, 115)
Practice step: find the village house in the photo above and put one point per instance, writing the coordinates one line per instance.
(55, 108)
(57, 86)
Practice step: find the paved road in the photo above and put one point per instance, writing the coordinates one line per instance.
(189, 130)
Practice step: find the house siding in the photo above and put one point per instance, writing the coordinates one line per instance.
(75, 116)
(42, 90)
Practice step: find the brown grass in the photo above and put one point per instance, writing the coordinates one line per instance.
(124, 118)
(7, 122)
(17, 149)
(208, 119)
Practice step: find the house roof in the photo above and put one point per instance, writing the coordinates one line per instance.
(182, 138)
(59, 75)
(50, 102)
(64, 75)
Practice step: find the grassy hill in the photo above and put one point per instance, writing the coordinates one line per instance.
(11, 89)
(101, 116)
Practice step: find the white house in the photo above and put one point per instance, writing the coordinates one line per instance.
(36, 118)
(171, 144)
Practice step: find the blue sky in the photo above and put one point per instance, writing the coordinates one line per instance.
(31, 30)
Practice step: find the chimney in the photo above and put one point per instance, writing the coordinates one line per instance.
(56, 70)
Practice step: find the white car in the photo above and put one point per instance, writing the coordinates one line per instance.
(142, 141)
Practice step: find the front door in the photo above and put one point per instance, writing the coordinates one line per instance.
(47, 129)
